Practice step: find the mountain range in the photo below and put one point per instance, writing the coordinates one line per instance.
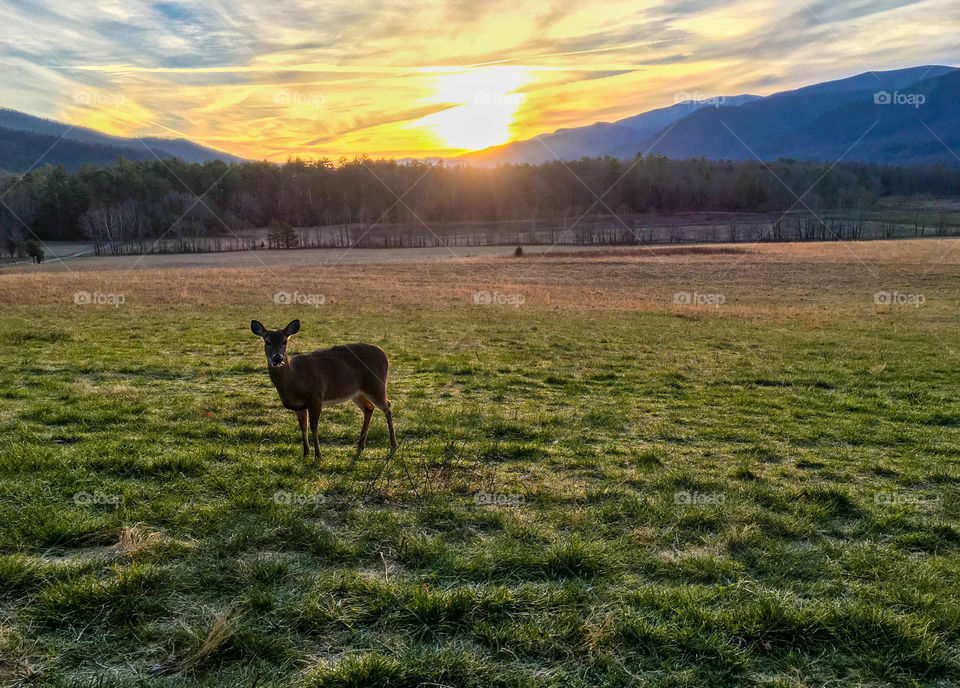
(25, 138)
(904, 117)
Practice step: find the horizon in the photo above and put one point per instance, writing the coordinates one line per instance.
(254, 84)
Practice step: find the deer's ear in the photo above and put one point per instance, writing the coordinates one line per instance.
(292, 328)
(257, 328)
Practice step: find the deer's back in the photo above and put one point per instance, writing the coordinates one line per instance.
(343, 370)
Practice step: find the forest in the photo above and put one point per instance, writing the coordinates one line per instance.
(134, 201)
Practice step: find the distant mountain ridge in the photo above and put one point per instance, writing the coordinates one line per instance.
(25, 138)
(602, 138)
(819, 122)
(844, 118)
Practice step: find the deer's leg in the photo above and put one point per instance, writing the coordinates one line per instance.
(314, 422)
(384, 405)
(367, 407)
(302, 417)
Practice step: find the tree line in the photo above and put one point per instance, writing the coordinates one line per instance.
(138, 201)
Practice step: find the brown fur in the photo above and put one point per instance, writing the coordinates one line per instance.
(354, 372)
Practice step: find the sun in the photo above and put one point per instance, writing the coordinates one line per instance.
(485, 101)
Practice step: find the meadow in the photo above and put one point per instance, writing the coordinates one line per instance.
(715, 466)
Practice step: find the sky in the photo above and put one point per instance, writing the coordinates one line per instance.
(408, 78)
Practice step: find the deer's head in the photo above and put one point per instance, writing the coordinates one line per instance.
(275, 341)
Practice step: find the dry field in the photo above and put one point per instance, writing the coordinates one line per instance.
(79, 257)
(830, 280)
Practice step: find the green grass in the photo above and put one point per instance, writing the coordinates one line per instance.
(691, 501)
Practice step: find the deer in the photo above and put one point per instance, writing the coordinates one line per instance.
(307, 382)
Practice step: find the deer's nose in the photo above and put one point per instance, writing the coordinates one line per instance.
(277, 359)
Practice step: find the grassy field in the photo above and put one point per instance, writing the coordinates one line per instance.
(602, 485)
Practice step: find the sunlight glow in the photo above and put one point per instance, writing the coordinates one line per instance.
(485, 105)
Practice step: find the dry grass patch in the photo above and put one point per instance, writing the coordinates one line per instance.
(828, 281)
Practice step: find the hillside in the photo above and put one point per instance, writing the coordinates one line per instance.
(602, 138)
(25, 138)
(820, 122)
(824, 121)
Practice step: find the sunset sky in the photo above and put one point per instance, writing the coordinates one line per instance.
(412, 78)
